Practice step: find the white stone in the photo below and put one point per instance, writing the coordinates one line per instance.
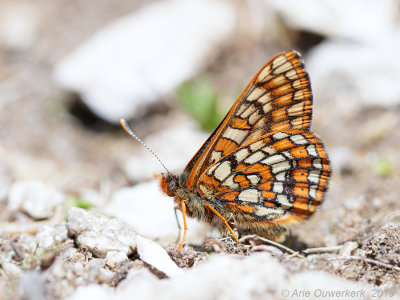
(92, 291)
(31, 285)
(151, 213)
(355, 203)
(5, 181)
(11, 270)
(340, 157)
(34, 198)
(156, 256)
(348, 248)
(18, 24)
(142, 56)
(357, 74)
(359, 20)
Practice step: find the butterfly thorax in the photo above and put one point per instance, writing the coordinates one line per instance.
(175, 186)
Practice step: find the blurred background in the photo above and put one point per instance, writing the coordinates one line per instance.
(70, 69)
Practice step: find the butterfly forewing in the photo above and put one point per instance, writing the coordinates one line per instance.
(277, 98)
(270, 179)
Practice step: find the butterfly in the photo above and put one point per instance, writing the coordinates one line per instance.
(261, 169)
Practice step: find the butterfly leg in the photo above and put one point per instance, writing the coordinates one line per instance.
(223, 220)
(183, 207)
(176, 207)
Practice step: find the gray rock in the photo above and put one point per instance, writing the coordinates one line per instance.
(348, 248)
(51, 236)
(96, 271)
(73, 255)
(28, 243)
(115, 259)
(71, 269)
(99, 233)
(96, 263)
(34, 198)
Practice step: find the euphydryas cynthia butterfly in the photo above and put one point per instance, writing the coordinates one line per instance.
(261, 168)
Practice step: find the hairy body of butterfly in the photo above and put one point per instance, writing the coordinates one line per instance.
(261, 168)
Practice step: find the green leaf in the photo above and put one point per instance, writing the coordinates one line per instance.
(74, 201)
(382, 167)
(201, 100)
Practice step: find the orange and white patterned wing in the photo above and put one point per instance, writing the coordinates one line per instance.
(277, 98)
(276, 178)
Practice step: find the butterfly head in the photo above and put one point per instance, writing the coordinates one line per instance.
(169, 184)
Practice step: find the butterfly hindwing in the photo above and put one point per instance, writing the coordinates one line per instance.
(271, 179)
(279, 97)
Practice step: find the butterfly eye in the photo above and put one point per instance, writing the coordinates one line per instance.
(172, 186)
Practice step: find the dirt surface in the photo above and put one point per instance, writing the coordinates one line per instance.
(45, 135)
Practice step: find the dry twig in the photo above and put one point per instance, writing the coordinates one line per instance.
(292, 252)
(367, 260)
(322, 249)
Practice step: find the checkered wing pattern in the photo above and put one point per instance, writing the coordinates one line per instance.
(277, 98)
(275, 178)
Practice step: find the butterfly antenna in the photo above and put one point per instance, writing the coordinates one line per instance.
(126, 127)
